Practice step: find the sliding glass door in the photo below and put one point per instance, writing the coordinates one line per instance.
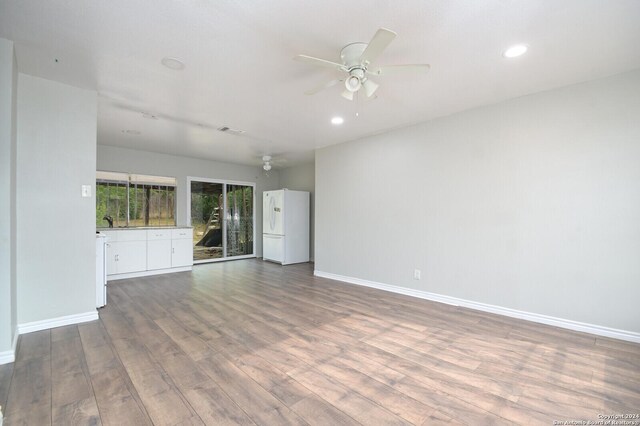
(207, 209)
(239, 220)
(222, 217)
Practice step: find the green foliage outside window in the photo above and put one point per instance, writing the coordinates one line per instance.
(132, 203)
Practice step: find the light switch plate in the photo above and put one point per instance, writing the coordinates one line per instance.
(86, 191)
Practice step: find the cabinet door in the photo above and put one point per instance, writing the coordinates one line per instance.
(131, 256)
(112, 265)
(181, 252)
(158, 254)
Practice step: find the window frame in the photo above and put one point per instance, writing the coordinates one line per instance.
(128, 185)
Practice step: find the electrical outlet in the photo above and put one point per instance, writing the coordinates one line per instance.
(416, 274)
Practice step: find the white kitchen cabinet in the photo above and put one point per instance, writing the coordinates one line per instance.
(126, 251)
(181, 247)
(158, 249)
(140, 252)
(126, 256)
(130, 256)
(181, 253)
(111, 257)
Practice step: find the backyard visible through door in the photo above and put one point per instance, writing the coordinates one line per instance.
(221, 215)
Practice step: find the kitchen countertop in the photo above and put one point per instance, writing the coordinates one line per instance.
(142, 228)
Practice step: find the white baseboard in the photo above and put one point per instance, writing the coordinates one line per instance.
(9, 356)
(614, 333)
(147, 273)
(30, 327)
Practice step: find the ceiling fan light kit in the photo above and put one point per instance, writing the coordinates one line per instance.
(347, 94)
(267, 163)
(356, 58)
(353, 83)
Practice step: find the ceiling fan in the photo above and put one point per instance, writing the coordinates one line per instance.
(356, 63)
(268, 162)
(266, 159)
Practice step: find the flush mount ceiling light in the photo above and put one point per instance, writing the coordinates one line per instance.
(515, 51)
(336, 121)
(173, 63)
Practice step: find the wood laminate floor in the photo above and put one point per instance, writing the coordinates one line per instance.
(249, 342)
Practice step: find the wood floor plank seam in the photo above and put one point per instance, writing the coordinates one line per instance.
(122, 374)
(128, 381)
(85, 369)
(166, 376)
(221, 389)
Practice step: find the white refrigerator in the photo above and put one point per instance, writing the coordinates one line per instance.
(285, 226)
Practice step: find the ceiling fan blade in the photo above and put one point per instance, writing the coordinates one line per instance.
(378, 43)
(370, 87)
(391, 69)
(319, 62)
(347, 95)
(321, 87)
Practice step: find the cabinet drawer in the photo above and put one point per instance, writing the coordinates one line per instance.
(133, 235)
(158, 234)
(182, 234)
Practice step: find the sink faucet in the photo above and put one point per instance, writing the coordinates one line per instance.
(108, 219)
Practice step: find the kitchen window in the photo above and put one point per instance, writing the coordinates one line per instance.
(134, 200)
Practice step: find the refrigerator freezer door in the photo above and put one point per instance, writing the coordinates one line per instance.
(273, 247)
(273, 212)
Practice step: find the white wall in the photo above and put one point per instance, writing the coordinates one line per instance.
(302, 178)
(117, 159)
(8, 89)
(532, 204)
(56, 151)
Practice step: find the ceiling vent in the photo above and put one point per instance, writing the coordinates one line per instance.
(231, 131)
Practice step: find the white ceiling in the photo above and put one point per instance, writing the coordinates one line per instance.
(240, 73)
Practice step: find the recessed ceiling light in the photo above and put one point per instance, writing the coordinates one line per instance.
(515, 51)
(131, 132)
(336, 121)
(173, 63)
